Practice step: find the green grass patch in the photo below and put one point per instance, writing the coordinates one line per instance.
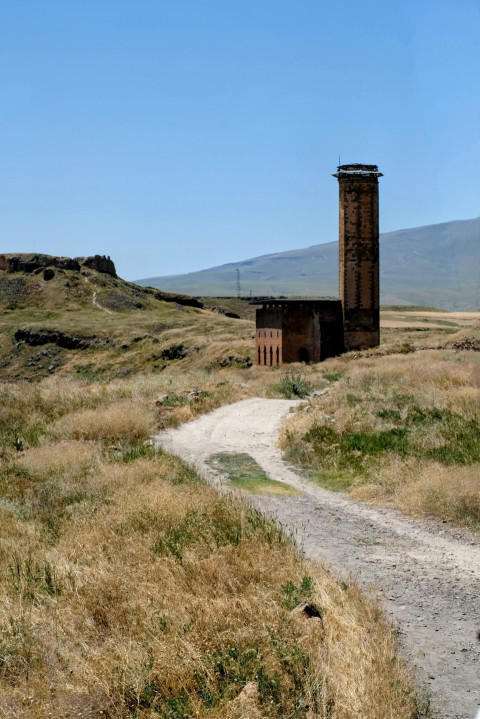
(294, 595)
(332, 479)
(337, 460)
(245, 474)
(293, 386)
(333, 376)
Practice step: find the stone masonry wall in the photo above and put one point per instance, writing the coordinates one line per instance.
(303, 331)
(359, 260)
(268, 336)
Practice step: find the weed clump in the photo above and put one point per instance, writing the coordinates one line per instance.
(293, 386)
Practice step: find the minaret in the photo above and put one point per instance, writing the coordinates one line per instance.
(359, 255)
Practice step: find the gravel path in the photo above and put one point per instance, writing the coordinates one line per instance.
(431, 573)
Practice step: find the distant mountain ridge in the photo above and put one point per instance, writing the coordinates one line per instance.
(434, 265)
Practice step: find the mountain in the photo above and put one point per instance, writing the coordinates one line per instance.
(434, 265)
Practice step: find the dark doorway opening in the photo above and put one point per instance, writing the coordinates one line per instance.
(303, 355)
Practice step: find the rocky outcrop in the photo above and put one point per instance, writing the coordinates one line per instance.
(234, 361)
(184, 300)
(36, 337)
(100, 263)
(174, 352)
(33, 263)
(223, 311)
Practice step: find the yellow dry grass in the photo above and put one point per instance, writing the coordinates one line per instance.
(59, 458)
(129, 588)
(124, 421)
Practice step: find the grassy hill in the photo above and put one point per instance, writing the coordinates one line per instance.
(435, 265)
(95, 326)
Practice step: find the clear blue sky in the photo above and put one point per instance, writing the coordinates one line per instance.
(178, 135)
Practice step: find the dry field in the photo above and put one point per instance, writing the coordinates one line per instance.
(399, 429)
(424, 326)
(128, 588)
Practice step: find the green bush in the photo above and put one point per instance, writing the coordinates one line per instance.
(293, 386)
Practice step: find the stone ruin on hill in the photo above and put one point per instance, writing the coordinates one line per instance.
(33, 263)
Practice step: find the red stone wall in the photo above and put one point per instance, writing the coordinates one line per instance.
(359, 260)
(301, 334)
(268, 339)
(307, 331)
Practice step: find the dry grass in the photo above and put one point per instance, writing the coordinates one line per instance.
(124, 422)
(130, 589)
(60, 458)
(403, 429)
(433, 489)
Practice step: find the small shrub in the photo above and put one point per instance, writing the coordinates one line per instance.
(390, 414)
(394, 440)
(174, 400)
(294, 595)
(293, 386)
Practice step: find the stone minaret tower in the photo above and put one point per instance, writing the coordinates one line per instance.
(359, 255)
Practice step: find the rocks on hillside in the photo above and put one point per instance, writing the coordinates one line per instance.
(175, 352)
(468, 343)
(33, 263)
(37, 337)
(234, 361)
(223, 311)
(183, 300)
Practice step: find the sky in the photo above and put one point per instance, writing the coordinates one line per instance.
(179, 135)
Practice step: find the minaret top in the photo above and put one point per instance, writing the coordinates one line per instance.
(357, 170)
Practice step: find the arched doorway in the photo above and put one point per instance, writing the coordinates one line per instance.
(271, 356)
(265, 356)
(259, 356)
(303, 355)
(278, 356)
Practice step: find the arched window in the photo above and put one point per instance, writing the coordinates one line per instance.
(278, 355)
(265, 356)
(271, 356)
(259, 356)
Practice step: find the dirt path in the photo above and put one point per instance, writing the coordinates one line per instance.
(95, 302)
(431, 573)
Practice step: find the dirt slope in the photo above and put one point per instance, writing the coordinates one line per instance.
(430, 572)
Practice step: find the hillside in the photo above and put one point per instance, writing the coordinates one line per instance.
(76, 317)
(435, 265)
